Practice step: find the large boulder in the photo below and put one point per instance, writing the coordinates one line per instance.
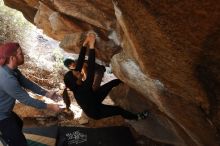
(166, 53)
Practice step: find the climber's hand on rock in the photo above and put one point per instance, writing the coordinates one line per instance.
(90, 40)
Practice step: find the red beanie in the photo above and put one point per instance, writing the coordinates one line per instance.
(7, 50)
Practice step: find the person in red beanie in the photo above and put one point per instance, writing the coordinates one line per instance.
(7, 50)
(12, 83)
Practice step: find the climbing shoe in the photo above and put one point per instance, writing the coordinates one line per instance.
(142, 115)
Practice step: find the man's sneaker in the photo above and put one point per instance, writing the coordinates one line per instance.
(143, 115)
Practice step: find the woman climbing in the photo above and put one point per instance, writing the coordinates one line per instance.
(91, 100)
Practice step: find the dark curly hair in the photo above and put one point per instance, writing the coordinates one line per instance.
(68, 61)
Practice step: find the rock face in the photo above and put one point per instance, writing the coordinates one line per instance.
(167, 54)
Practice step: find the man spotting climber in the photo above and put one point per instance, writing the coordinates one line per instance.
(91, 100)
(12, 83)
